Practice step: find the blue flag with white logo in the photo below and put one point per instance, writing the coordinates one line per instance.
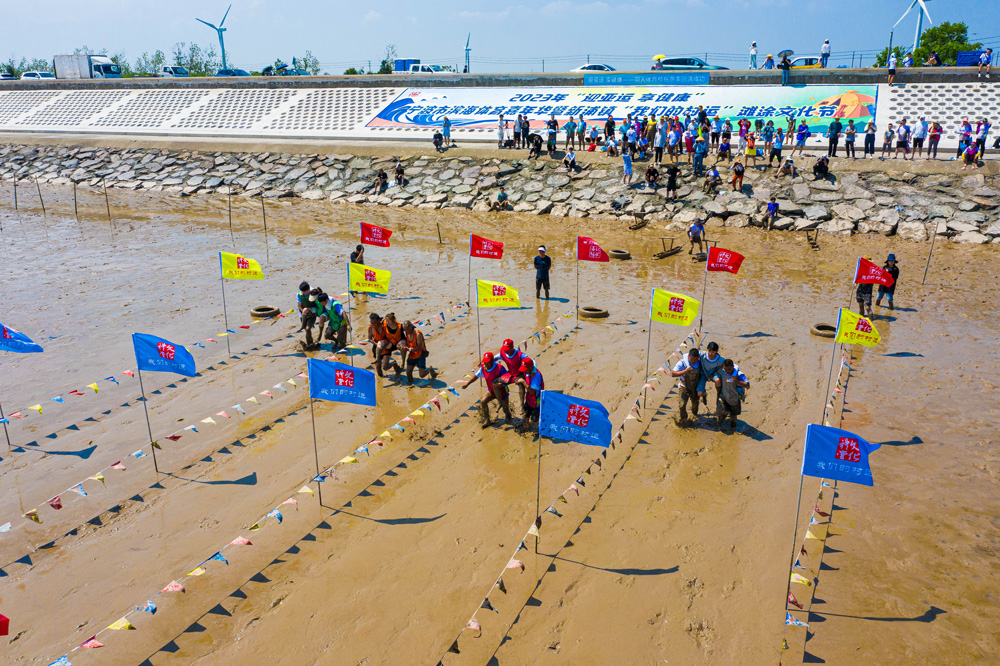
(339, 382)
(154, 354)
(16, 341)
(578, 420)
(831, 453)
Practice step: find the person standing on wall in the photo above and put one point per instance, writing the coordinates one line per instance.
(784, 66)
(850, 134)
(870, 130)
(892, 68)
(543, 263)
(833, 134)
(446, 131)
(920, 129)
(581, 132)
(824, 54)
(570, 128)
(753, 55)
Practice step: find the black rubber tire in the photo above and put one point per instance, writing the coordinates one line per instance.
(593, 313)
(264, 312)
(669, 253)
(824, 330)
(619, 254)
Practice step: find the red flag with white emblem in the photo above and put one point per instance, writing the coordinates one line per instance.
(372, 234)
(721, 259)
(869, 273)
(484, 248)
(587, 249)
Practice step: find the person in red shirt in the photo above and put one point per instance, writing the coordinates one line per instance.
(490, 371)
(512, 358)
(531, 379)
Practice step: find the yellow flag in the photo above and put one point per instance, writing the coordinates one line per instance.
(291, 381)
(33, 515)
(810, 535)
(197, 571)
(93, 386)
(366, 278)
(796, 578)
(671, 308)
(347, 460)
(37, 408)
(533, 530)
(122, 624)
(209, 420)
(307, 489)
(96, 477)
(856, 330)
(496, 295)
(255, 527)
(238, 267)
(386, 435)
(416, 412)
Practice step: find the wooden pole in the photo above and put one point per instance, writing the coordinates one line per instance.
(929, 252)
(15, 193)
(107, 203)
(76, 211)
(40, 200)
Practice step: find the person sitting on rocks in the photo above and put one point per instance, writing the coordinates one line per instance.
(822, 167)
(787, 168)
(400, 180)
(501, 201)
(771, 214)
(569, 160)
(652, 175)
(438, 140)
(534, 145)
(381, 181)
(971, 156)
(725, 150)
(712, 181)
(612, 146)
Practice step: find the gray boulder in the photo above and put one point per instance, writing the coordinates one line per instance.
(818, 213)
(971, 237)
(913, 231)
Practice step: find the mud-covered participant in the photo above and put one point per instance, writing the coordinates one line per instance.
(307, 309)
(512, 359)
(711, 364)
(490, 370)
(376, 333)
(532, 384)
(689, 369)
(729, 380)
(416, 353)
(331, 315)
(392, 335)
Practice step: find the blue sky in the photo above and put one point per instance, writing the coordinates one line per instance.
(506, 36)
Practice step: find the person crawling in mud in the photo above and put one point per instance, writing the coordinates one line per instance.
(490, 371)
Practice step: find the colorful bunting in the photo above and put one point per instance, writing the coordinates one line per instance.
(796, 578)
(223, 415)
(274, 513)
(219, 557)
(121, 625)
(33, 515)
(209, 420)
(78, 489)
(795, 602)
(37, 408)
(794, 622)
(197, 571)
(474, 625)
(55, 503)
(240, 541)
(347, 460)
(173, 586)
(488, 606)
(91, 642)
(517, 564)
(149, 607)
(139, 454)
(307, 489)
(93, 386)
(118, 465)
(533, 531)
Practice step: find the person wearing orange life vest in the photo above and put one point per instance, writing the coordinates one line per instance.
(376, 334)
(393, 335)
(490, 370)
(531, 379)
(416, 353)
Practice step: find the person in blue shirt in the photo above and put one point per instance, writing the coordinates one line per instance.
(772, 212)
(700, 151)
(985, 60)
(626, 168)
(543, 263)
(801, 134)
(695, 233)
(728, 382)
(769, 62)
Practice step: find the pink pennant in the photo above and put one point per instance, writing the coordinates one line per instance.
(301, 374)
(437, 403)
(74, 392)
(377, 441)
(516, 564)
(92, 642)
(118, 465)
(267, 393)
(648, 386)
(129, 373)
(474, 625)
(55, 503)
(210, 340)
(173, 586)
(224, 415)
(290, 500)
(17, 415)
(573, 487)
(240, 541)
(172, 438)
(407, 420)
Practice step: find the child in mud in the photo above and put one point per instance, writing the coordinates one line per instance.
(307, 315)
(490, 371)
(728, 382)
(689, 369)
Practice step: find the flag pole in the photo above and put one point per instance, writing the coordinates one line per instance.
(704, 291)
(479, 341)
(929, 252)
(319, 484)
(469, 284)
(229, 196)
(6, 434)
(263, 214)
(649, 340)
(149, 428)
(350, 329)
(578, 282)
(225, 315)
(538, 492)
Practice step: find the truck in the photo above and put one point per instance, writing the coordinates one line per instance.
(83, 66)
(172, 71)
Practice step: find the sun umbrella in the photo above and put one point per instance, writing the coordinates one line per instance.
(659, 57)
(787, 53)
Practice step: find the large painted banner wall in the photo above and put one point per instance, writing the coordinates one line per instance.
(479, 108)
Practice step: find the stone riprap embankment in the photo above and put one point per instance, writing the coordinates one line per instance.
(965, 208)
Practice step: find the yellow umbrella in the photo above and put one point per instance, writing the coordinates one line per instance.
(659, 57)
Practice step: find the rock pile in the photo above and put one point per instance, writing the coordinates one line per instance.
(910, 206)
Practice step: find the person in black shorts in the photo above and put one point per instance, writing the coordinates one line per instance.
(543, 263)
(672, 173)
(863, 295)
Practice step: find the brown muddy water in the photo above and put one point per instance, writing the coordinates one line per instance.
(676, 552)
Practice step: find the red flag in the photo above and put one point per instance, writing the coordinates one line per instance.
(869, 273)
(587, 249)
(374, 235)
(721, 259)
(795, 602)
(484, 248)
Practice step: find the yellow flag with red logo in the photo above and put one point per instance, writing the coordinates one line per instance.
(366, 278)
(496, 295)
(856, 330)
(238, 267)
(671, 308)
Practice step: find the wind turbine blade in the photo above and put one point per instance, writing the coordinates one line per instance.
(206, 23)
(467, 40)
(224, 17)
(912, 5)
(926, 13)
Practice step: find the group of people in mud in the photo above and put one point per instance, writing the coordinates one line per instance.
(696, 371)
(498, 372)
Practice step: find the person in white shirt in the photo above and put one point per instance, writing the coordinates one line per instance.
(824, 54)
(753, 55)
(919, 134)
(902, 140)
(985, 60)
(892, 68)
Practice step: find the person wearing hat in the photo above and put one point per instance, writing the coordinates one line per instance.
(689, 369)
(543, 263)
(376, 334)
(728, 382)
(490, 370)
(753, 55)
(768, 62)
(863, 294)
(695, 233)
(892, 269)
(532, 384)
(513, 358)
(700, 150)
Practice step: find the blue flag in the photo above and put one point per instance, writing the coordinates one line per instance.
(339, 382)
(578, 420)
(16, 341)
(831, 453)
(154, 354)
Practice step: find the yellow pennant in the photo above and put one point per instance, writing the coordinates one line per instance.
(96, 477)
(533, 530)
(209, 420)
(255, 527)
(291, 381)
(496, 295)
(856, 330)
(346, 461)
(37, 408)
(796, 578)
(386, 435)
(416, 412)
(810, 535)
(156, 445)
(93, 386)
(366, 278)
(784, 644)
(252, 399)
(307, 489)
(238, 267)
(197, 571)
(671, 308)
(122, 624)
(33, 515)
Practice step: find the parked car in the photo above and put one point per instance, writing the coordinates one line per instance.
(84, 66)
(428, 69)
(594, 67)
(7, 76)
(37, 76)
(172, 71)
(232, 72)
(805, 62)
(687, 63)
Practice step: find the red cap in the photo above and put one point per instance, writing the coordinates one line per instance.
(507, 344)
(527, 365)
(488, 358)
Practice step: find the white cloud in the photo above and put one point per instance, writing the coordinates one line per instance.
(372, 16)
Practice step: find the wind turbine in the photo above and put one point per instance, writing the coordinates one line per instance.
(921, 12)
(221, 30)
(467, 50)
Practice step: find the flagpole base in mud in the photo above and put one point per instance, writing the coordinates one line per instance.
(149, 428)
(6, 434)
(319, 484)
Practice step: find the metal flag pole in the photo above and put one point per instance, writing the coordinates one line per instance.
(225, 316)
(931, 251)
(649, 341)
(538, 492)
(263, 214)
(350, 329)
(6, 434)
(704, 291)
(229, 197)
(469, 297)
(149, 428)
(578, 282)
(479, 341)
(319, 484)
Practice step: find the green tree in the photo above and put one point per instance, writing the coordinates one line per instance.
(120, 60)
(350, 71)
(309, 63)
(196, 60)
(883, 57)
(946, 40)
(17, 68)
(149, 64)
(389, 61)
